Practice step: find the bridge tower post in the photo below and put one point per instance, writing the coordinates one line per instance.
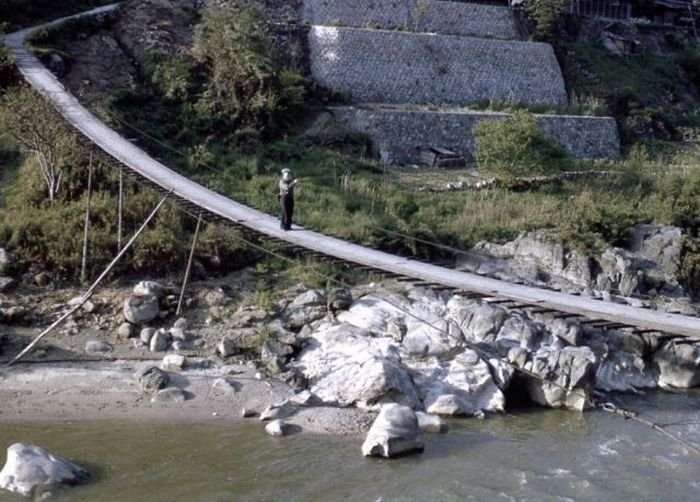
(189, 265)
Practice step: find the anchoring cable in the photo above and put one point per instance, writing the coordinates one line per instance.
(88, 293)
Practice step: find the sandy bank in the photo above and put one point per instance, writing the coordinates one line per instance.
(69, 391)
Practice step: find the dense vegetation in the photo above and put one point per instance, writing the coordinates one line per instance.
(41, 227)
(517, 147)
(654, 97)
(230, 117)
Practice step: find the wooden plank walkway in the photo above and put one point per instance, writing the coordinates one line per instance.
(140, 162)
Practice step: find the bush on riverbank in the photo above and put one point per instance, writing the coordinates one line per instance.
(516, 147)
(46, 233)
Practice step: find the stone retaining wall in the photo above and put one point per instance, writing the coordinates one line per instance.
(395, 67)
(403, 132)
(449, 18)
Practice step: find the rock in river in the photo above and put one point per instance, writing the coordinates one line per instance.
(431, 423)
(278, 411)
(394, 431)
(678, 365)
(277, 428)
(31, 470)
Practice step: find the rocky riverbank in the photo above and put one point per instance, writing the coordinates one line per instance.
(354, 348)
(431, 350)
(334, 361)
(645, 273)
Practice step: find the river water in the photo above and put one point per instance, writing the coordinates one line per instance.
(526, 455)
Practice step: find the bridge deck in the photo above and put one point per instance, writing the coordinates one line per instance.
(140, 162)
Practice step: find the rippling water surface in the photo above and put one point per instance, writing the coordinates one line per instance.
(527, 455)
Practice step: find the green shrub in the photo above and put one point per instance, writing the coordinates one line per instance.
(516, 147)
(244, 84)
(648, 94)
(590, 225)
(171, 75)
(544, 15)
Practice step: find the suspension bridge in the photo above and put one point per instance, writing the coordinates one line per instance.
(217, 207)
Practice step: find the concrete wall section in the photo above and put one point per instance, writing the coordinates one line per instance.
(395, 67)
(449, 18)
(403, 132)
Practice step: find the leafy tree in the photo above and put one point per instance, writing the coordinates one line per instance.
(544, 14)
(38, 130)
(245, 85)
(516, 147)
(170, 74)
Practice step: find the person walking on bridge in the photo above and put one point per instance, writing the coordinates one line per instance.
(286, 197)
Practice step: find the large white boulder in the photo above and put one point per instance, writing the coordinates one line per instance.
(624, 372)
(679, 365)
(394, 431)
(310, 298)
(434, 337)
(31, 470)
(518, 331)
(346, 366)
(462, 386)
(372, 312)
(561, 378)
(480, 322)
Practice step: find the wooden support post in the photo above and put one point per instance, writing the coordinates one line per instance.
(86, 296)
(119, 210)
(189, 265)
(86, 230)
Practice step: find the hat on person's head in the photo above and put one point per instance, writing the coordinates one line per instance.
(286, 169)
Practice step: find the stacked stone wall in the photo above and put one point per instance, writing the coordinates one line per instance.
(403, 132)
(395, 67)
(448, 18)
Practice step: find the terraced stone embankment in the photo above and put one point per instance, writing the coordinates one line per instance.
(413, 54)
(403, 131)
